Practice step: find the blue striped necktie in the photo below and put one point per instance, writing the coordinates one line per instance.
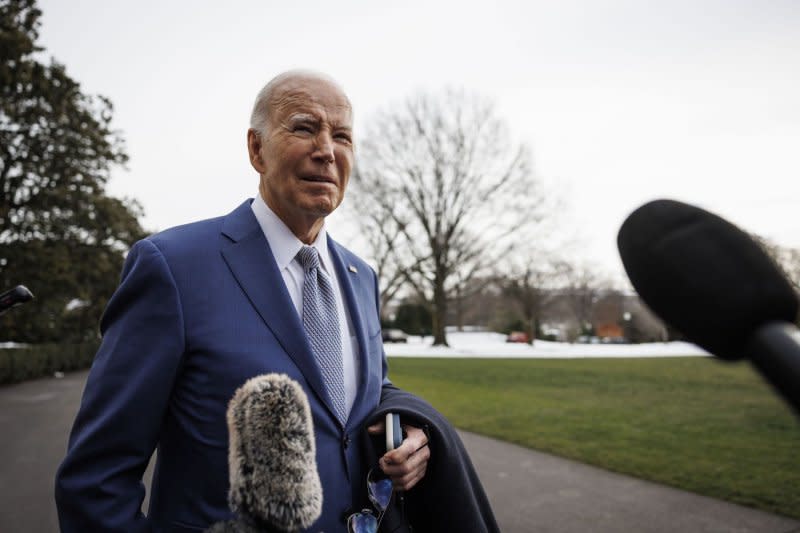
(322, 327)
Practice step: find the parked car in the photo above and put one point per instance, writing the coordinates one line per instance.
(518, 336)
(394, 335)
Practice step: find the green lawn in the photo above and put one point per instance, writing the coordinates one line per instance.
(696, 423)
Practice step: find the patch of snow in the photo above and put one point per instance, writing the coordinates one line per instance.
(12, 345)
(489, 344)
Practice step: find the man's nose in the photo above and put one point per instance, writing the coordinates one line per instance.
(323, 147)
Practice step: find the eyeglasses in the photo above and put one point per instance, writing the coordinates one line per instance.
(380, 492)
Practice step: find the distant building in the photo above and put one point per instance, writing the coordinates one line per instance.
(609, 330)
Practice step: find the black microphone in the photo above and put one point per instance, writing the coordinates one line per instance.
(14, 297)
(715, 284)
(274, 484)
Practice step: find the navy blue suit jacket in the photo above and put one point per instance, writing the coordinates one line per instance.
(200, 309)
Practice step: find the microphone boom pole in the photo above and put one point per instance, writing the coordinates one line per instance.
(775, 352)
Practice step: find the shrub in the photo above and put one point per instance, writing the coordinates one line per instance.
(38, 360)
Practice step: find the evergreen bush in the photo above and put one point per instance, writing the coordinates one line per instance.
(38, 360)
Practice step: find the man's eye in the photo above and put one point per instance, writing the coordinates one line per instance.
(305, 128)
(343, 137)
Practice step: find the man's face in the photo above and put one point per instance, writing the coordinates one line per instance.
(307, 154)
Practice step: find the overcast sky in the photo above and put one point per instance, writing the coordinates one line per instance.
(621, 101)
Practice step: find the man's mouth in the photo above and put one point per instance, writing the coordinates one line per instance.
(319, 178)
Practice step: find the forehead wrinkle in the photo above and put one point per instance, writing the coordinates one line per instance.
(302, 116)
(300, 97)
(317, 116)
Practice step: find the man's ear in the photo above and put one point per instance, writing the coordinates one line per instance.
(254, 145)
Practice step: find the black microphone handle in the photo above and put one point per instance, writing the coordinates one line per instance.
(774, 350)
(14, 297)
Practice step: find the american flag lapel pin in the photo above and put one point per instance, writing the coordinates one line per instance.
(352, 269)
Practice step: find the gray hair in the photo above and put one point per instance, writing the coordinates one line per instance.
(260, 116)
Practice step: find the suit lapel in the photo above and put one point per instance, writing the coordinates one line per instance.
(356, 297)
(252, 263)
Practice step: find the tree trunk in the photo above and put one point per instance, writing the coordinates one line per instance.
(532, 328)
(459, 309)
(439, 316)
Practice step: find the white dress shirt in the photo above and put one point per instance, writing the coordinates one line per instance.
(285, 245)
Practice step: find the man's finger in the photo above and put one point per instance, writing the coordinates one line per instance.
(415, 440)
(417, 461)
(410, 468)
(400, 468)
(403, 468)
(406, 481)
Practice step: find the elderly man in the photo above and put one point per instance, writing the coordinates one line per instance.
(203, 307)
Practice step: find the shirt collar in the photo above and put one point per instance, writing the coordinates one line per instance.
(282, 241)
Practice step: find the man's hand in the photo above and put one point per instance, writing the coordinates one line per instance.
(407, 463)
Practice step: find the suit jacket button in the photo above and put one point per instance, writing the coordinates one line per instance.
(346, 442)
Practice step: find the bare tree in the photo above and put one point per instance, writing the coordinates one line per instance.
(530, 284)
(788, 259)
(445, 192)
(790, 262)
(641, 324)
(582, 290)
(382, 235)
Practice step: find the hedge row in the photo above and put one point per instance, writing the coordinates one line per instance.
(35, 361)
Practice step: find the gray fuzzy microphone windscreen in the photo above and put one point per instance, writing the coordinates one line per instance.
(272, 456)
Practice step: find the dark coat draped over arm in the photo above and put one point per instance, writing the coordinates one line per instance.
(450, 497)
